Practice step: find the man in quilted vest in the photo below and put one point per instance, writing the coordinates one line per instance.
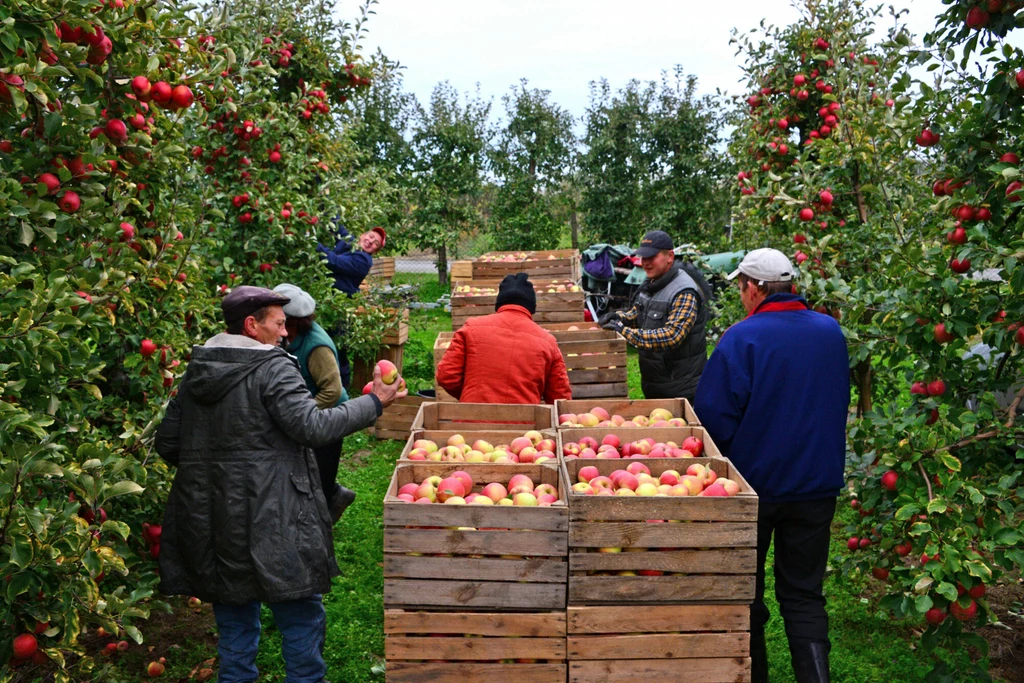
(505, 357)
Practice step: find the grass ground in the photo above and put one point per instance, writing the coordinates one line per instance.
(868, 647)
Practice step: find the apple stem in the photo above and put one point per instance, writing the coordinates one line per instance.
(926, 481)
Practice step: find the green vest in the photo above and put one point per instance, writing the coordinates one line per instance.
(303, 345)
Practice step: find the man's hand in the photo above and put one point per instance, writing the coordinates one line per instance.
(606, 318)
(615, 325)
(387, 393)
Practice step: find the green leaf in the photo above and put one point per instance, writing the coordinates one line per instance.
(923, 603)
(936, 506)
(26, 234)
(1007, 536)
(133, 633)
(947, 590)
(21, 550)
(122, 488)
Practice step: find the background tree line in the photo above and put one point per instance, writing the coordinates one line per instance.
(647, 155)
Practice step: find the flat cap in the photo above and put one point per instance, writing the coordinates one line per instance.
(301, 304)
(246, 300)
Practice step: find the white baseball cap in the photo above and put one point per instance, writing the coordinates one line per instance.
(300, 305)
(765, 265)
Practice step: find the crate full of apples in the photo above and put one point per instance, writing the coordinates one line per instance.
(472, 537)
(579, 413)
(465, 646)
(660, 530)
(618, 443)
(557, 301)
(550, 264)
(498, 447)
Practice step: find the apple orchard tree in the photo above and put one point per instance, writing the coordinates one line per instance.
(152, 158)
(897, 199)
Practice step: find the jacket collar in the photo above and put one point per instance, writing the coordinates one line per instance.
(515, 308)
(775, 303)
(659, 282)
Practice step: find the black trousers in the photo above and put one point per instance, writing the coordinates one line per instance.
(802, 532)
(327, 459)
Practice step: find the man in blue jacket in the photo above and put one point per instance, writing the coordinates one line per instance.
(350, 266)
(774, 396)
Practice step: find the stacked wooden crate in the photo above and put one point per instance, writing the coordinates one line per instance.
(382, 272)
(659, 587)
(397, 419)
(474, 592)
(555, 263)
(494, 416)
(552, 306)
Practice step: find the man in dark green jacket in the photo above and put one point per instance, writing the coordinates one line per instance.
(246, 522)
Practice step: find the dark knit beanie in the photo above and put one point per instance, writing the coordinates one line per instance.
(517, 289)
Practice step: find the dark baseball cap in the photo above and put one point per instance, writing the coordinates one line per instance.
(246, 300)
(653, 242)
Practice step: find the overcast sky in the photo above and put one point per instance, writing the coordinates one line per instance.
(563, 45)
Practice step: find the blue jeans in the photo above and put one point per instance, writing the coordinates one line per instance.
(303, 627)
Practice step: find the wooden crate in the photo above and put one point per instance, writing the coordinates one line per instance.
(552, 307)
(565, 263)
(397, 419)
(429, 647)
(659, 643)
(381, 272)
(362, 372)
(704, 548)
(499, 436)
(460, 270)
(627, 408)
(602, 372)
(495, 282)
(571, 326)
(660, 434)
(440, 346)
(506, 417)
(475, 557)
(398, 334)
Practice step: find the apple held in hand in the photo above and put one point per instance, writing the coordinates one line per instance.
(388, 371)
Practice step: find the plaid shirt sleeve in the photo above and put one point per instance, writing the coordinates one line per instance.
(681, 318)
(628, 317)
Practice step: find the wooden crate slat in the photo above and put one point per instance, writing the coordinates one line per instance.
(700, 561)
(425, 647)
(596, 360)
(539, 570)
(452, 416)
(659, 646)
(531, 543)
(474, 672)
(600, 345)
(710, 670)
(611, 375)
(696, 509)
(468, 594)
(646, 535)
(613, 390)
(535, 625)
(584, 620)
(596, 590)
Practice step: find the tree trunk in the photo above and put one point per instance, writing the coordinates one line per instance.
(863, 374)
(575, 225)
(442, 266)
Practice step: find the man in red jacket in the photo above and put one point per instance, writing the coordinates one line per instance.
(505, 357)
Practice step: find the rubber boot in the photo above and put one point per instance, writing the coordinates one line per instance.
(758, 658)
(810, 661)
(341, 499)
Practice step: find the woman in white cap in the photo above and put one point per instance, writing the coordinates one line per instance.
(321, 369)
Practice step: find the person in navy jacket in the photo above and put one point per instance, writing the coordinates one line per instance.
(775, 396)
(351, 266)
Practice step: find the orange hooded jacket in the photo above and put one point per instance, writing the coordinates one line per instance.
(504, 357)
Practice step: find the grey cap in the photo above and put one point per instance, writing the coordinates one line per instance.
(301, 304)
(246, 300)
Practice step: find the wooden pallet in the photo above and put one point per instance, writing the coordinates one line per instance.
(601, 373)
(659, 643)
(661, 434)
(434, 646)
(397, 419)
(702, 549)
(362, 372)
(564, 264)
(455, 416)
(499, 436)
(552, 307)
(475, 557)
(627, 408)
